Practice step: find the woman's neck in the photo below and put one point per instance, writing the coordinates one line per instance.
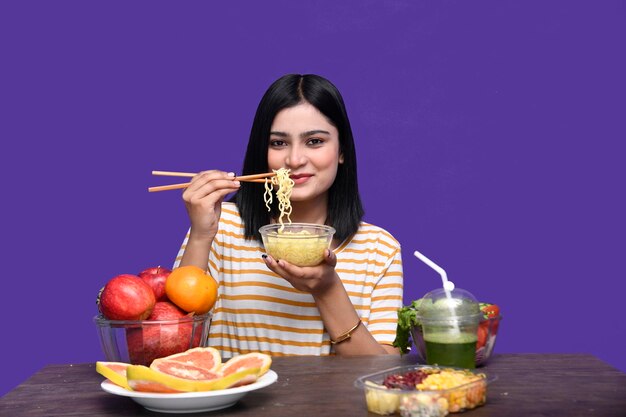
(310, 211)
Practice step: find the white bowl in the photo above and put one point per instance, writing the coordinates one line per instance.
(190, 402)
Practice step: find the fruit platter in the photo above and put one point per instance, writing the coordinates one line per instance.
(192, 381)
(191, 402)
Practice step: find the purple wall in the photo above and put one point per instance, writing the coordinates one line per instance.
(490, 137)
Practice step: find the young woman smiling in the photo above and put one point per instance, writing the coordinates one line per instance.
(346, 305)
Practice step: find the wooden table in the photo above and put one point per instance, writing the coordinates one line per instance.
(527, 385)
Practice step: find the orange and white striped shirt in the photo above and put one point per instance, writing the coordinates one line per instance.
(259, 311)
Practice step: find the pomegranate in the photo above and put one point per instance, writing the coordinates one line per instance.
(156, 277)
(405, 381)
(126, 297)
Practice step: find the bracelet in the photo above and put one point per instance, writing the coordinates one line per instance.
(347, 335)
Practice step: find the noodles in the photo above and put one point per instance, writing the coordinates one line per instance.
(299, 248)
(283, 193)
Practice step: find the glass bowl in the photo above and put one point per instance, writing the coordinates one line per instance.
(301, 244)
(139, 342)
(408, 400)
(487, 332)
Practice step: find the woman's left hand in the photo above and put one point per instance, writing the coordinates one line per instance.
(311, 279)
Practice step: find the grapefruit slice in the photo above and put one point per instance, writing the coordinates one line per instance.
(183, 370)
(114, 372)
(202, 357)
(142, 378)
(246, 361)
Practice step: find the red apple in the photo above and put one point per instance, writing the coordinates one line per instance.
(155, 277)
(166, 310)
(126, 297)
(157, 340)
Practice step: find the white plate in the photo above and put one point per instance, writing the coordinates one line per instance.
(190, 402)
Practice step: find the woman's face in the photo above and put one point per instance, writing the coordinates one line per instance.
(304, 141)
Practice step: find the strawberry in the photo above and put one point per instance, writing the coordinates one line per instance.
(483, 332)
(491, 313)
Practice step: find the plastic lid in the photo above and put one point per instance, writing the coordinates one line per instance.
(445, 305)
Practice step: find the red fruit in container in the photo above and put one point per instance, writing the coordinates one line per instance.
(126, 297)
(156, 340)
(156, 277)
(166, 310)
(483, 332)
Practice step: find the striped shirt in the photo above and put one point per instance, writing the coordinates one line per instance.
(259, 311)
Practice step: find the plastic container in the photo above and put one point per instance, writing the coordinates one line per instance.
(424, 402)
(139, 342)
(301, 244)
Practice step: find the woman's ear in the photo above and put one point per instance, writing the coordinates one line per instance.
(341, 158)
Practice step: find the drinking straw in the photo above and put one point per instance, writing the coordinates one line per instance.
(447, 285)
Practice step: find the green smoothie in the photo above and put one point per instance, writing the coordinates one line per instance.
(447, 349)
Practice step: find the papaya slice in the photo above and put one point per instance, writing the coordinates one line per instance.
(114, 372)
(142, 378)
(246, 361)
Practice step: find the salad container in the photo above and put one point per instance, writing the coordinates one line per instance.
(424, 390)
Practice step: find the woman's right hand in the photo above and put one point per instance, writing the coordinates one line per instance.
(203, 199)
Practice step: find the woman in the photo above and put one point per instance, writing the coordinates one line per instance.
(347, 304)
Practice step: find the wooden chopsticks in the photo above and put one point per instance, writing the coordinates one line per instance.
(249, 178)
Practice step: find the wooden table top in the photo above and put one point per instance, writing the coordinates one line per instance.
(527, 385)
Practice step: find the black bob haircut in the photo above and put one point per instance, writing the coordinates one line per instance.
(345, 210)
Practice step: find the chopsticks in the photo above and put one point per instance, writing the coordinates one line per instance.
(260, 178)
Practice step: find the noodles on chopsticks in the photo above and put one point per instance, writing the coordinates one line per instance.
(284, 186)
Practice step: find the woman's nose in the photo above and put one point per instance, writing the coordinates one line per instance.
(295, 158)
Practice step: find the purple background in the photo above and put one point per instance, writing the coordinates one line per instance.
(490, 137)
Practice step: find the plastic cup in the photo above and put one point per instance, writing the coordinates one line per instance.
(449, 322)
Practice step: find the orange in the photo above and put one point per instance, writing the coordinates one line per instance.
(191, 289)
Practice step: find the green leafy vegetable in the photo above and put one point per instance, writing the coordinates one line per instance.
(407, 318)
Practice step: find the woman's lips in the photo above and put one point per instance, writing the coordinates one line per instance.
(300, 178)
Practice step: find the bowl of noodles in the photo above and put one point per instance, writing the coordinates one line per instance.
(301, 244)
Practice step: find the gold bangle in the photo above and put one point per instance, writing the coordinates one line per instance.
(347, 335)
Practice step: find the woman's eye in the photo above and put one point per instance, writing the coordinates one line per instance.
(277, 143)
(315, 141)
